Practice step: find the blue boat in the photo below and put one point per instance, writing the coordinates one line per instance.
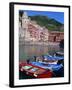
(52, 67)
(54, 63)
(53, 58)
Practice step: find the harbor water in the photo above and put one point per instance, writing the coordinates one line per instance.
(28, 51)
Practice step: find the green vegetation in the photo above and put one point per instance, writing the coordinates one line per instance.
(49, 23)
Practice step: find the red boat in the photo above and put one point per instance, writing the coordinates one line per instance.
(35, 71)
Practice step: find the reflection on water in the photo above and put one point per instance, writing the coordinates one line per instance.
(27, 51)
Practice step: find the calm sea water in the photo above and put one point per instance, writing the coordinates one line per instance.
(27, 51)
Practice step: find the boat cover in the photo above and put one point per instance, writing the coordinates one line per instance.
(53, 57)
(53, 67)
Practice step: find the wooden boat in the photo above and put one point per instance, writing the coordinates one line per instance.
(34, 70)
(59, 54)
(44, 68)
(48, 59)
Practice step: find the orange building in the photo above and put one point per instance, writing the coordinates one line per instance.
(55, 36)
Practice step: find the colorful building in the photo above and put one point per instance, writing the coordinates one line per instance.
(55, 36)
(31, 31)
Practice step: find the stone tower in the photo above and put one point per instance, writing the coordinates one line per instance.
(25, 22)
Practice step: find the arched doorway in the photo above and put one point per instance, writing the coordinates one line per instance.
(54, 39)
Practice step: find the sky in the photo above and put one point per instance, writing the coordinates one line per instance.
(59, 16)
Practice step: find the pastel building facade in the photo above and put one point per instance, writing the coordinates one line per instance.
(55, 36)
(30, 31)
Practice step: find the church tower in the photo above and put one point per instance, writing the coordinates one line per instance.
(25, 22)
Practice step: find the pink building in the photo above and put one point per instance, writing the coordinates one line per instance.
(38, 33)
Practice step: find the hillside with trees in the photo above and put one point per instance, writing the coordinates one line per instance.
(49, 23)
